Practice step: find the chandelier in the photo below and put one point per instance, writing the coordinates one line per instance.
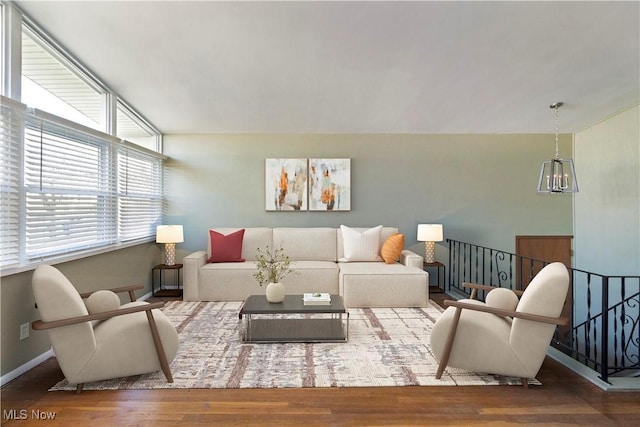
(557, 175)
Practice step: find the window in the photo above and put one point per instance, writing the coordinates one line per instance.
(139, 193)
(52, 83)
(130, 126)
(55, 83)
(67, 188)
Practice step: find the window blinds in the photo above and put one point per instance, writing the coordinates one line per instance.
(139, 193)
(11, 128)
(70, 197)
(81, 189)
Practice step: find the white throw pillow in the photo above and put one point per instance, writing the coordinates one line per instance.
(361, 246)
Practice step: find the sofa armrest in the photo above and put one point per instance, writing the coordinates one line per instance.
(192, 264)
(411, 259)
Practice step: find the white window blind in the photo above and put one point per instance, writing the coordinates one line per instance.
(70, 195)
(11, 131)
(70, 188)
(140, 193)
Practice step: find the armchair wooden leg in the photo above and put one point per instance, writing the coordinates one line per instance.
(446, 352)
(79, 388)
(162, 357)
(525, 382)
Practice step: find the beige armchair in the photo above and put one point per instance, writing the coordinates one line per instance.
(100, 339)
(504, 335)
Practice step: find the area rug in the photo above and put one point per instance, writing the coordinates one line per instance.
(386, 347)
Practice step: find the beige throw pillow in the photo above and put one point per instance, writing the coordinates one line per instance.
(361, 246)
(101, 301)
(502, 298)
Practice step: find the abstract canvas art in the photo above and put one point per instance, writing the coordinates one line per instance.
(329, 184)
(286, 187)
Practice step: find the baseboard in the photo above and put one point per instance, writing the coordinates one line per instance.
(614, 384)
(26, 367)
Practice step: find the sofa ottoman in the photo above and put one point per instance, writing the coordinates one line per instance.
(374, 284)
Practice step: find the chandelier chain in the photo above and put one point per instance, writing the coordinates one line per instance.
(557, 121)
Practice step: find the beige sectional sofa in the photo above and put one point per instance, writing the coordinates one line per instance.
(319, 262)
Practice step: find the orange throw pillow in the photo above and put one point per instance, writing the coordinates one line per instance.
(392, 248)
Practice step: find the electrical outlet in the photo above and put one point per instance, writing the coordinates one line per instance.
(24, 331)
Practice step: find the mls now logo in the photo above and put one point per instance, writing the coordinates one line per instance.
(14, 414)
(23, 414)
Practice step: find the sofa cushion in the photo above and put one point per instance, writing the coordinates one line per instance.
(226, 248)
(312, 276)
(392, 248)
(361, 245)
(376, 284)
(232, 281)
(307, 244)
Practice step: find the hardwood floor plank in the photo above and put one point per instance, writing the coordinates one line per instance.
(547, 409)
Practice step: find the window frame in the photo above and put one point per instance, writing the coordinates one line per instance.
(14, 23)
(118, 150)
(51, 47)
(140, 121)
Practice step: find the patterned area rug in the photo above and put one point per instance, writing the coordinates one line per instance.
(386, 347)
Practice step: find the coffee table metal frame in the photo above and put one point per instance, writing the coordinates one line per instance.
(292, 321)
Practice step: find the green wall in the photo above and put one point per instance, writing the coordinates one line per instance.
(482, 188)
(607, 208)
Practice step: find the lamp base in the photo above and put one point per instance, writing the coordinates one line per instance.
(429, 251)
(170, 254)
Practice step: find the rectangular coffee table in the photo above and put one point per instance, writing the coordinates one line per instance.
(292, 321)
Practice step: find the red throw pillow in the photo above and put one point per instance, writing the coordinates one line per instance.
(226, 248)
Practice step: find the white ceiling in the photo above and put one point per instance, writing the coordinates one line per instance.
(365, 67)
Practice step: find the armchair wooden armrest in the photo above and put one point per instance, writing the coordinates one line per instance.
(122, 289)
(508, 313)
(40, 325)
(128, 289)
(475, 287)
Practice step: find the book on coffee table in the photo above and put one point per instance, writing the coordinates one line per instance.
(316, 299)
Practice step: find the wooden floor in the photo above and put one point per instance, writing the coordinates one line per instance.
(563, 399)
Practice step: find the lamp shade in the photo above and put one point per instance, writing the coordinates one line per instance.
(169, 234)
(430, 232)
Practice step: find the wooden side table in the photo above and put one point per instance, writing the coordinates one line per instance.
(438, 266)
(158, 285)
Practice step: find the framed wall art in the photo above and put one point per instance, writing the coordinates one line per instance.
(329, 184)
(286, 185)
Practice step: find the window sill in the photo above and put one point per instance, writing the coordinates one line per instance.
(73, 257)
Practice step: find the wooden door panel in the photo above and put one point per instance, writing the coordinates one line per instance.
(549, 249)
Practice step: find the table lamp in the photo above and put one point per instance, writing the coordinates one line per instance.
(169, 235)
(429, 234)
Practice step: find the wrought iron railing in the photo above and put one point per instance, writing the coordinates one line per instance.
(603, 311)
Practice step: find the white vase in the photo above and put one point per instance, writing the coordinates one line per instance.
(275, 292)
